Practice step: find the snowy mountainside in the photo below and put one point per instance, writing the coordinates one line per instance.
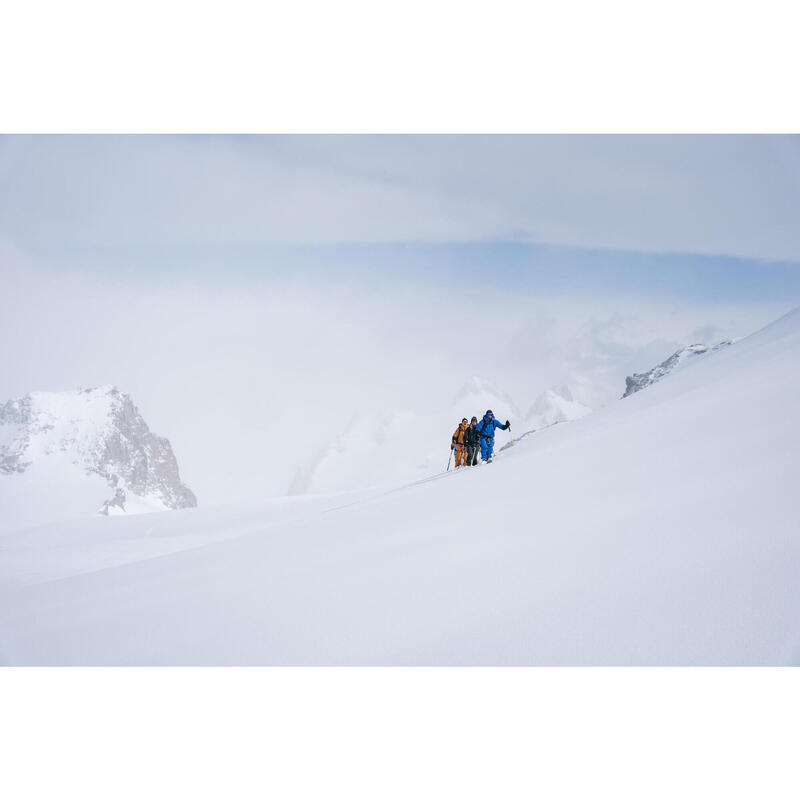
(571, 549)
(678, 359)
(370, 449)
(481, 394)
(74, 453)
(398, 446)
(556, 404)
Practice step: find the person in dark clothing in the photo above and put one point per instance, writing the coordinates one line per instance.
(472, 441)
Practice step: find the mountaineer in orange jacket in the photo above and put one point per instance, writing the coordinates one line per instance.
(459, 445)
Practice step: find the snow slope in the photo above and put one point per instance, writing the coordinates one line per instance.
(662, 529)
(382, 449)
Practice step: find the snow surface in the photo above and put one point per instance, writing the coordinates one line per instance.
(662, 529)
(54, 490)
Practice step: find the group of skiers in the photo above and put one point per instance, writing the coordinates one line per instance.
(469, 436)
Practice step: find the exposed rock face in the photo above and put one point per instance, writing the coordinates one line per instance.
(639, 381)
(101, 432)
(114, 505)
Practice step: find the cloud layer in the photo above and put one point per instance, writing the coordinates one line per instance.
(734, 195)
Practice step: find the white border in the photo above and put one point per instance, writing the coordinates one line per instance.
(399, 733)
(432, 66)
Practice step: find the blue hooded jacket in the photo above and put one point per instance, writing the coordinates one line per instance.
(487, 426)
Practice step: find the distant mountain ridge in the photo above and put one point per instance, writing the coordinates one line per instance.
(638, 381)
(477, 395)
(90, 433)
(554, 405)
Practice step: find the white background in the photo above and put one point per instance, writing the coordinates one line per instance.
(421, 67)
(399, 733)
(416, 66)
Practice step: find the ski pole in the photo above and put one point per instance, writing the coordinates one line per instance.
(449, 459)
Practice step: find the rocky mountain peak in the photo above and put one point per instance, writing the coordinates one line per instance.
(98, 431)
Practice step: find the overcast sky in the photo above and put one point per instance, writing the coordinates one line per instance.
(724, 195)
(251, 292)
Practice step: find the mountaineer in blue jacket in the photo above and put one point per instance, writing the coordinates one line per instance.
(486, 429)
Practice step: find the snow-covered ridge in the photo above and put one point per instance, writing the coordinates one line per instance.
(96, 432)
(639, 381)
(556, 404)
(478, 394)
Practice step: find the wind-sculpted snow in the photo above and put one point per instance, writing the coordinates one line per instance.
(571, 548)
(88, 433)
(638, 381)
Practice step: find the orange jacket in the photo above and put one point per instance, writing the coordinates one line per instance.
(458, 436)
